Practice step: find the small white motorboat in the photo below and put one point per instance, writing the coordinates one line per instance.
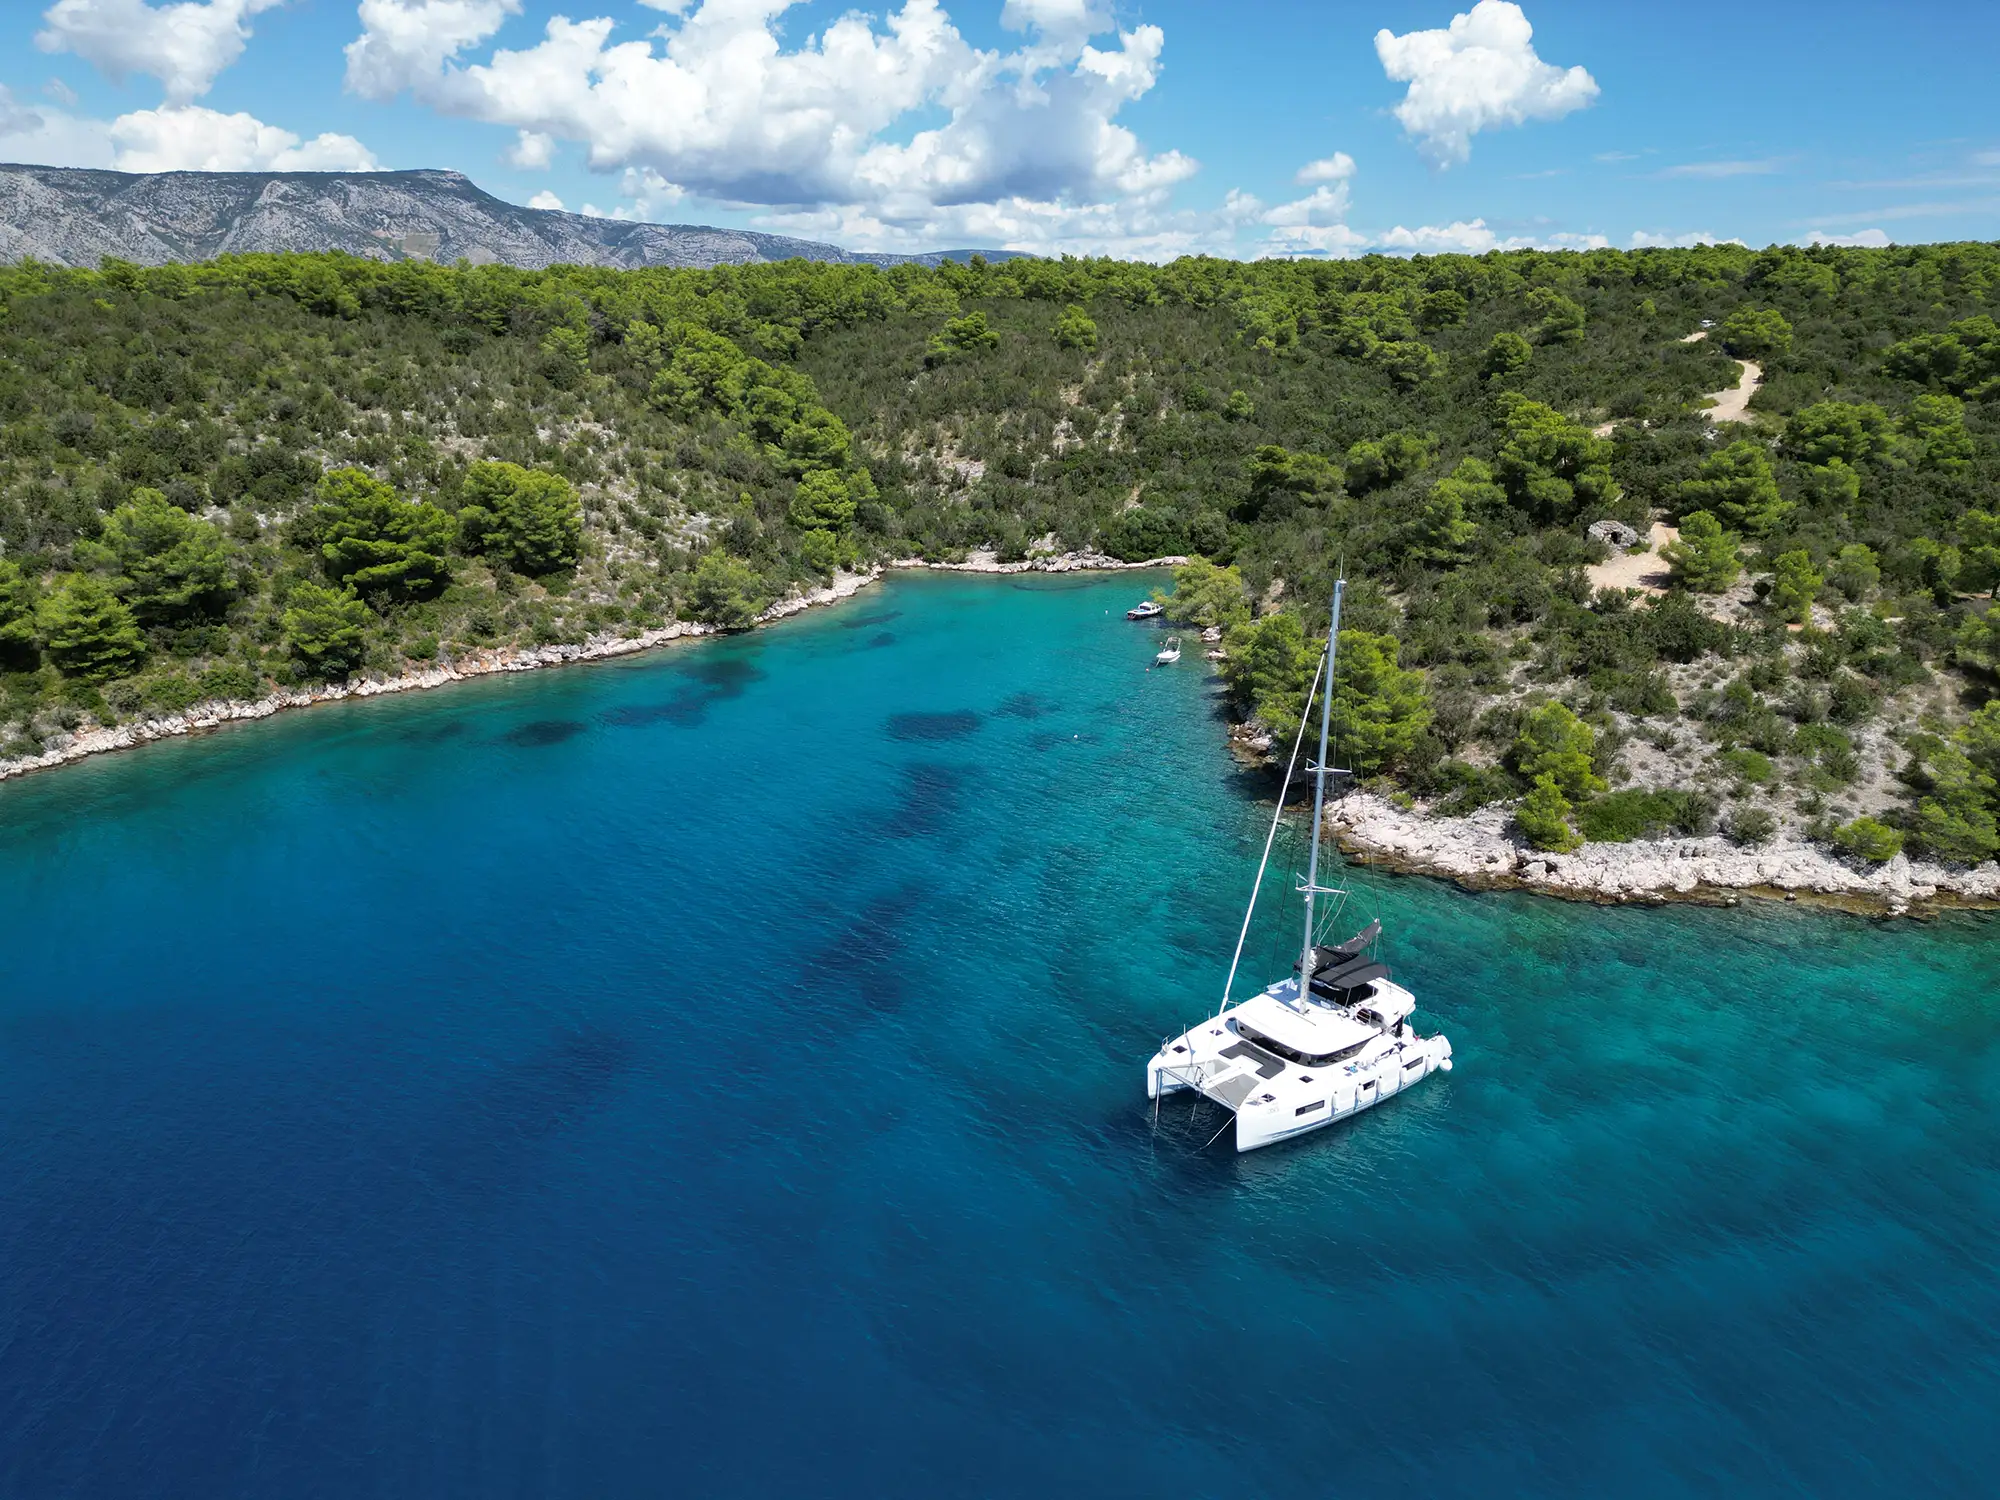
(1145, 611)
(1169, 653)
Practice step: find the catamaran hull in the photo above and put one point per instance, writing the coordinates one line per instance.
(1261, 1121)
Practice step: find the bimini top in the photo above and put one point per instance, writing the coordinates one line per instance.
(1316, 1039)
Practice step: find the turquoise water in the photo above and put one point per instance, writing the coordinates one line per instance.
(723, 1073)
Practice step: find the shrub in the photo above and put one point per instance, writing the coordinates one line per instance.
(1622, 816)
(1869, 839)
(1751, 825)
(961, 336)
(231, 680)
(1076, 330)
(725, 592)
(1457, 787)
(171, 694)
(1751, 767)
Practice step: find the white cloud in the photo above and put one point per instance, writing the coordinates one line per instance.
(648, 189)
(1335, 168)
(1141, 227)
(1065, 23)
(172, 138)
(61, 92)
(15, 117)
(189, 138)
(1470, 237)
(1322, 206)
(1474, 237)
(1337, 241)
(51, 137)
(184, 46)
(716, 104)
(1722, 169)
(1644, 239)
(646, 193)
(1479, 73)
(546, 200)
(532, 151)
(1871, 239)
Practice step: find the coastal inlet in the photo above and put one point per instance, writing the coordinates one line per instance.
(714, 1070)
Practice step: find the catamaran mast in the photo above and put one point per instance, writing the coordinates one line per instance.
(1319, 771)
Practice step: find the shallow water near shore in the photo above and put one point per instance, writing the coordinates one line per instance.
(723, 1072)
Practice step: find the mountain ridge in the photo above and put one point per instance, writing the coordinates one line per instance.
(78, 216)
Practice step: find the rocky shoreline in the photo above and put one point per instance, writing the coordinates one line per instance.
(1481, 852)
(201, 717)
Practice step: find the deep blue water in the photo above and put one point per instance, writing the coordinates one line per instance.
(723, 1073)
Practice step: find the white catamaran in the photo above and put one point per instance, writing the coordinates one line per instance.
(1315, 1048)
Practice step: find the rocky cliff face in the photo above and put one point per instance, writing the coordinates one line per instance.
(75, 217)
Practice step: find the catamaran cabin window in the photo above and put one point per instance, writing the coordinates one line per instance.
(1292, 1054)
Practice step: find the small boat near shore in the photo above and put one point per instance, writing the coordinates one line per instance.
(1169, 653)
(1145, 610)
(1317, 1047)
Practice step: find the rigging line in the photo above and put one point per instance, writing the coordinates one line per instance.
(1279, 812)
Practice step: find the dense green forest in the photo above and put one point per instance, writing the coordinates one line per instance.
(284, 469)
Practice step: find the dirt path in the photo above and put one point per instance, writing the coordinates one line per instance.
(1734, 405)
(1644, 571)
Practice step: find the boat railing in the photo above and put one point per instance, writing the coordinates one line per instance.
(1194, 1075)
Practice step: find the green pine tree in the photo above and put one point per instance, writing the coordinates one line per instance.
(528, 519)
(1755, 333)
(1795, 584)
(1979, 555)
(88, 631)
(167, 564)
(1206, 594)
(1736, 485)
(374, 541)
(725, 591)
(1956, 820)
(326, 630)
(1554, 742)
(822, 502)
(18, 642)
(1267, 670)
(1855, 571)
(1704, 559)
(1075, 330)
(1380, 707)
(1543, 818)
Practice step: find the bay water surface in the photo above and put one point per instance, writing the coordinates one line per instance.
(723, 1073)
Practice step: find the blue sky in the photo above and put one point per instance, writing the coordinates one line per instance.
(1138, 127)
